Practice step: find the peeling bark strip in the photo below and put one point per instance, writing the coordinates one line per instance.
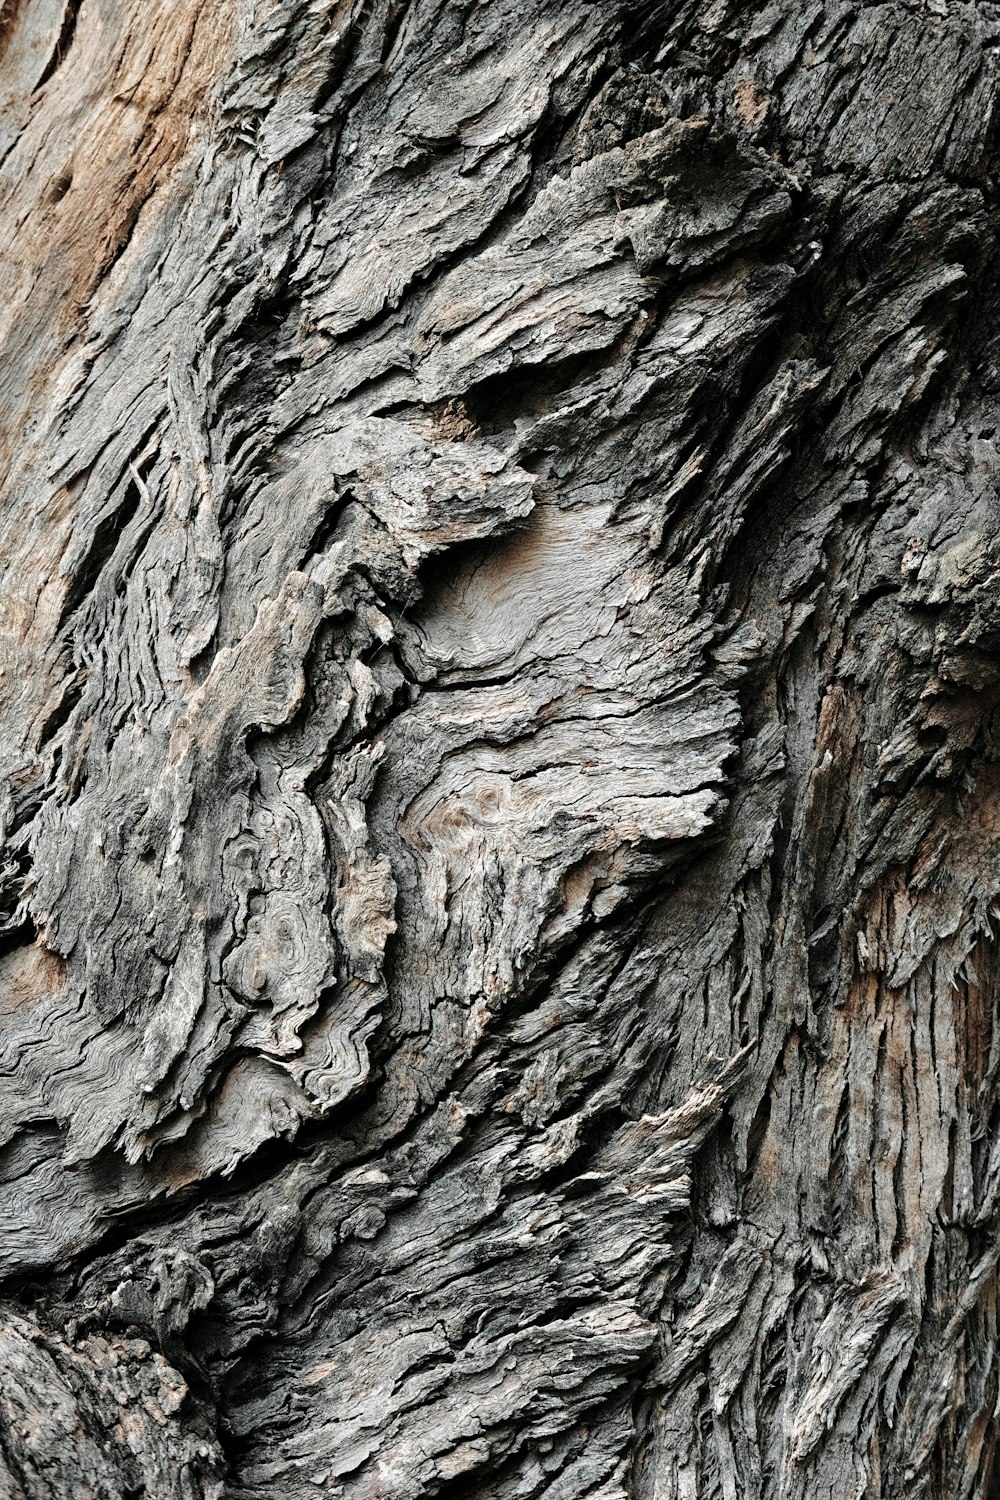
(500, 649)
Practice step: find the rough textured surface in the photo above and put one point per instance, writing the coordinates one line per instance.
(500, 750)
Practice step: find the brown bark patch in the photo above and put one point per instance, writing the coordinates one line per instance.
(109, 132)
(29, 975)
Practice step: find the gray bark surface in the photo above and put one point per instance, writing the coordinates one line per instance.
(500, 750)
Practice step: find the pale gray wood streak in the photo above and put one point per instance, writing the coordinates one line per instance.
(500, 799)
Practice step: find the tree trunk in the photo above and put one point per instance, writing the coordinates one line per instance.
(500, 648)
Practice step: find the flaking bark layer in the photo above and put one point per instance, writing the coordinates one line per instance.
(500, 751)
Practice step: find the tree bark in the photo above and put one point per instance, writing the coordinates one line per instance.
(501, 750)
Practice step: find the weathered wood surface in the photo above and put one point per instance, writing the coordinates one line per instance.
(501, 766)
